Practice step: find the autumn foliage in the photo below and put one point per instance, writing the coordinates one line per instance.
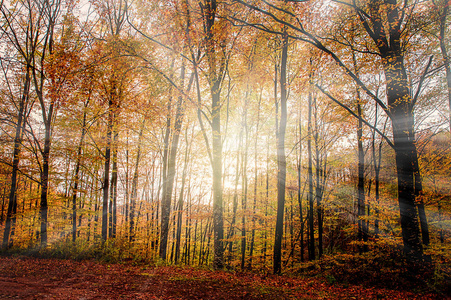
(301, 138)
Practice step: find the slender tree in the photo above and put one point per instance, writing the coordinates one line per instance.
(11, 30)
(281, 159)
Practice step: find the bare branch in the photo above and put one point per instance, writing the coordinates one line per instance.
(420, 83)
(355, 115)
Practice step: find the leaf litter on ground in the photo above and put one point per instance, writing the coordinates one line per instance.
(39, 278)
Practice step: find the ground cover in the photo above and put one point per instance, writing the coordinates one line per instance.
(42, 278)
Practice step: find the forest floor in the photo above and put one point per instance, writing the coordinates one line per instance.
(39, 278)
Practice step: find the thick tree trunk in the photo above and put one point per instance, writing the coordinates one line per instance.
(216, 68)
(405, 150)
(400, 107)
(16, 159)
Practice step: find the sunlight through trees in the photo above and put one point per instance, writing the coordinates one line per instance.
(239, 134)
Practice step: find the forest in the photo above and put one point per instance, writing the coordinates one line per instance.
(277, 136)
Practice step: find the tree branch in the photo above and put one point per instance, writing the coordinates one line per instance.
(420, 83)
(355, 115)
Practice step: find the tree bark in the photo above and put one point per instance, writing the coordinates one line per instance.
(299, 194)
(113, 193)
(134, 191)
(362, 228)
(167, 193)
(10, 218)
(235, 197)
(245, 185)
(377, 166)
(311, 240)
(180, 204)
(281, 159)
(318, 189)
(254, 205)
(77, 175)
(215, 73)
(405, 150)
(106, 174)
(445, 56)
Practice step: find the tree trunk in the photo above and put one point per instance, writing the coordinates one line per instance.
(445, 56)
(281, 159)
(2, 216)
(400, 107)
(106, 174)
(167, 194)
(235, 198)
(299, 195)
(216, 70)
(113, 189)
(77, 171)
(245, 186)
(264, 249)
(405, 150)
(377, 167)
(134, 191)
(318, 189)
(311, 240)
(127, 190)
(254, 205)
(16, 159)
(180, 204)
(45, 175)
(218, 222)
(362, 228)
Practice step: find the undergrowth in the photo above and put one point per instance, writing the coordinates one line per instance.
(384, 266)
(110, 251)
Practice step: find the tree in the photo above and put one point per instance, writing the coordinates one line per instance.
(382, 23)
(216, 69)
(49, 78)
(171, 166)
(11, 30)
(281, 159)
(443, 10)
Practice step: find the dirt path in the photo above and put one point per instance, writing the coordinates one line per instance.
(30, 278)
